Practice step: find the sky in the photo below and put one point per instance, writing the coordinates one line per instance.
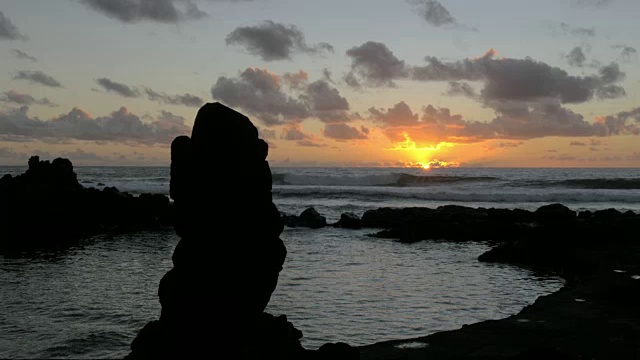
(393, 83)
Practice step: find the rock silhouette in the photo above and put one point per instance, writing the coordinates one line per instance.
(48, 206)
(227, 262)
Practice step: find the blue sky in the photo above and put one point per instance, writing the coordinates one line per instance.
(78, 42)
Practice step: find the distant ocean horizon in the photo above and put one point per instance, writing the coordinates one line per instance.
(333, 190)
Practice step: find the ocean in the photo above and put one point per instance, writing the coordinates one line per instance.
(90, 299)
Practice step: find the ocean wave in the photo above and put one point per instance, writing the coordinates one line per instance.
(391, 179)
(458, 197)
(614, 183)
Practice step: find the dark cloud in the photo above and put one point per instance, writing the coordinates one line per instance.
(578, 31)
(119, 126)
(459, 88)
(624, 122)
(327, 75)
(23, 55)
(309, 143)
(118, 88)
(159, 97)
(374, 64)
(435, 13)
(15, 97)
(399, 115)
(343, 132)
(266, 134)
(294, 133)
(8, 31)
(627, 53)
(351, 80)
(273, 41)
(326, 103)
(260, 93)
(591, 3)
(523, 79)
(520, 121)
(576, 57)
(192, 11)
(178, 99)
(170, 118)
(162, 11)
(296, 80)
(37, 77)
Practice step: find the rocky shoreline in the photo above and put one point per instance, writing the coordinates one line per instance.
(594, 316)
(47, 206)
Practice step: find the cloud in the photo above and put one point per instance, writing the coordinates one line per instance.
(309, 143)
(38, 77)
(267, 134)
(159, 97)
(627, 53)
(508, 79)
(459, 88)
(15, 97)
(399, 115)
(118, 88)
(296, 80)
(8, 31)
(591, 3)
(327, 75)
(624, 122)
(162, 11)
(520, 121)
(179, 99)
(374, 64)
(260, 93)
(81, 155)
(273, 41)
(23, 55)
(167, 117)
(576, 57)
(578, 31)
(119, 126)
(326, 103)
(294, 132)
(343, 132)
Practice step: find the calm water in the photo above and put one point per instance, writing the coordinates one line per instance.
(91, 299)
(337, 285)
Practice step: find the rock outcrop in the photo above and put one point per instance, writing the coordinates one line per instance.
(227, 262)
(48, 206)
(310, 218)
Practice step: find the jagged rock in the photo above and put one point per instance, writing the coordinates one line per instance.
(312, 219)
(349, 221)
(225, 266)
(308, 218)
(608, 214)
(554, 213)
(69, 211)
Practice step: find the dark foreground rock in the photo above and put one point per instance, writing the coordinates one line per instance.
(310, 218)
(225, 266)
(595, 316)
(349, 221)
(47, 206)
